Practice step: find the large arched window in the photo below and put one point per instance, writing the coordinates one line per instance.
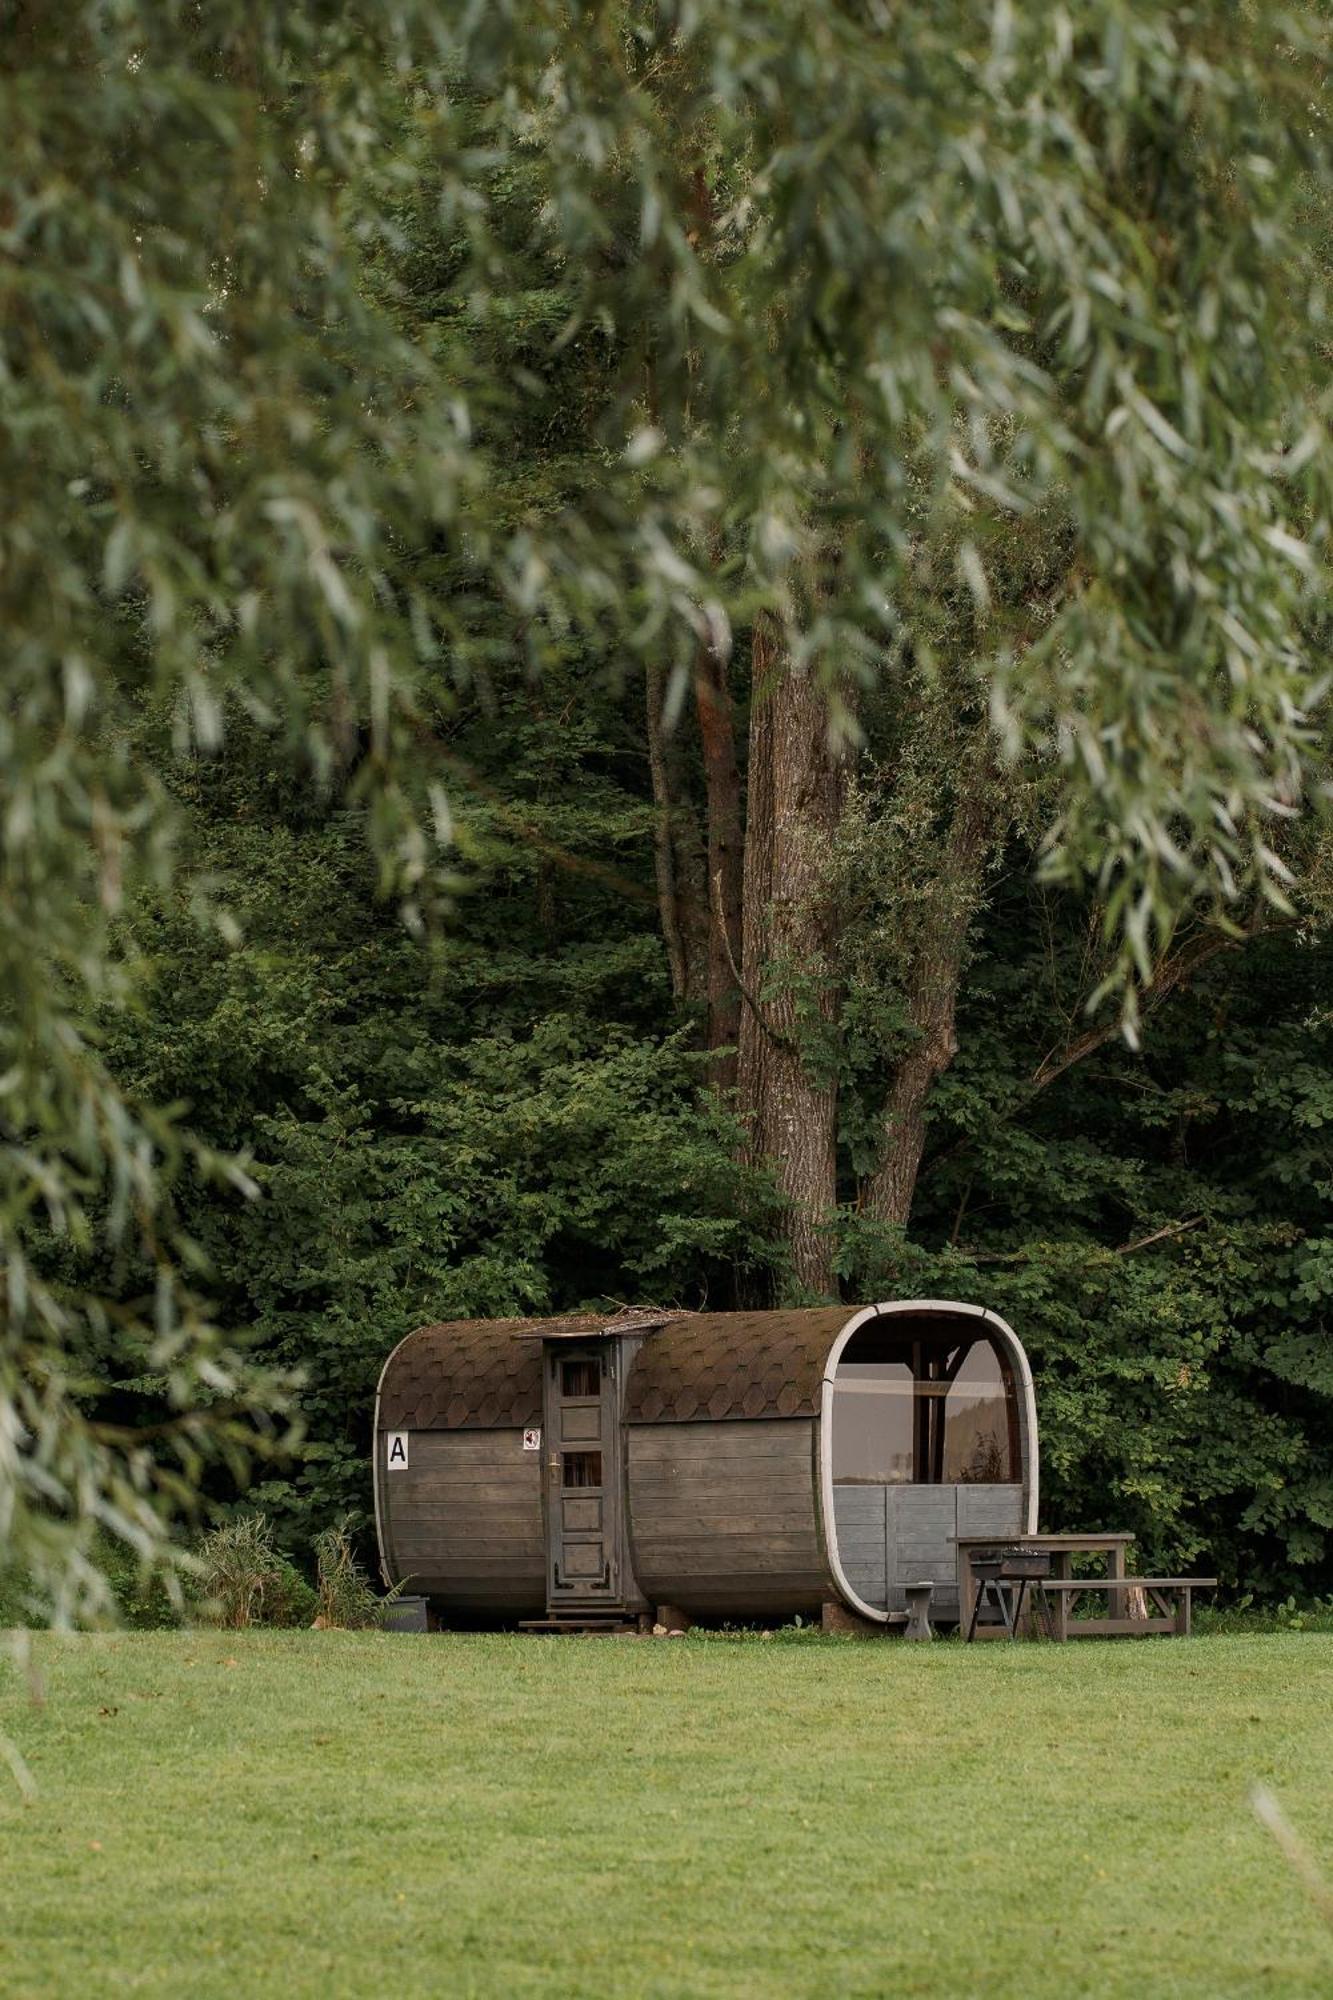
(923, 1403)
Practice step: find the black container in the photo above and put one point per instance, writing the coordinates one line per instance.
(1010, 1563)
(406, 1614)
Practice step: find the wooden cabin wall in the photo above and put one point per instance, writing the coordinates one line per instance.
(861, 1517)
(463, 1523)
(724, 1517)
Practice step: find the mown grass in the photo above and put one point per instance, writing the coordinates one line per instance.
(300, 1813)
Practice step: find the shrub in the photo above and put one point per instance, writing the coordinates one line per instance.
(143, 1600)
(247, 1580)
(346, 1597)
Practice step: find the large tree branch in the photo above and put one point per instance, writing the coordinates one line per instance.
(725, 858)
(1160, 1235)
(664, 860)
(1026, 1256)
(1170, 975)
(1174, 973)
(976, 825)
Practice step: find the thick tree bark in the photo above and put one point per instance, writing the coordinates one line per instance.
(789, 1099)
(724, 860)
(936, 973)
(757, 889)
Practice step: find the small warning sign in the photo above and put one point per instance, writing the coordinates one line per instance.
(532, 1440)
(396, 1456)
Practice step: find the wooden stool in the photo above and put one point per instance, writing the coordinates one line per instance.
(918, 1611)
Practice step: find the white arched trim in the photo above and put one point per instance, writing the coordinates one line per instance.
(376, 1476)
(1008, 1340)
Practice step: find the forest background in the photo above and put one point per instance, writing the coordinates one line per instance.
(758, 969)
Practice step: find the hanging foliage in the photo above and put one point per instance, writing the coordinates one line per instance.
(851, 290)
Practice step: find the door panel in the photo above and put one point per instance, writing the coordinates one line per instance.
(581, 1476)
(580, 1421)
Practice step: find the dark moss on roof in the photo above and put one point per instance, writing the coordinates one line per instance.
(483, 1374)
(486, 1374)
(727, 1365)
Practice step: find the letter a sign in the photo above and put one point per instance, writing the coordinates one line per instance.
(396, 1456)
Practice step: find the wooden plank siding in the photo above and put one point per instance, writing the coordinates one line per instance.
(893, 1535)
(861, 1516)
(724, 1517)
(463, 1523)
(990, 1510)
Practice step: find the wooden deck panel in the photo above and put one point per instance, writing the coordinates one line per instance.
(859, 1513)
(892, 1535)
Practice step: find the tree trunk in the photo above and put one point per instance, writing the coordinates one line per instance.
(937, 970)
(788, 1090)
(722, 783)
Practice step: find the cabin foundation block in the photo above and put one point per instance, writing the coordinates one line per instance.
(837, 1618)
(674, 1619)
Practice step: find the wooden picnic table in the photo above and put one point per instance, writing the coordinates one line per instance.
(1061, 1549)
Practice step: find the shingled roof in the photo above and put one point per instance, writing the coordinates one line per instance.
(486, 1374)
(464, 1374)
(756, 1364)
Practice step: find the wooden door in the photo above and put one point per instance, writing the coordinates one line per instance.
(583, 1500)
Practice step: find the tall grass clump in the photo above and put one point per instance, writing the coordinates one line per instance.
(346, 1597)
(245, 1579)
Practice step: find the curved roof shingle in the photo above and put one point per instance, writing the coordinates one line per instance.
(486, 1374)
(742, 1364)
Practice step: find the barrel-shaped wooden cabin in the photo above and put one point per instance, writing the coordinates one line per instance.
(734, 1465)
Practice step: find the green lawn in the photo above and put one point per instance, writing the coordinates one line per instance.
(303, 1813)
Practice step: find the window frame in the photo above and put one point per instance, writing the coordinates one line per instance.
(934, 1362)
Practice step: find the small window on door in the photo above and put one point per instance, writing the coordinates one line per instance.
(580, 1378)
(582, 1468)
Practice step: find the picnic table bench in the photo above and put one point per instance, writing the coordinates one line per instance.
(1171, 1596)
(1054, 1594)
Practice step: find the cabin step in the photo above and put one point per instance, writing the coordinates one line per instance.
(574, 1624)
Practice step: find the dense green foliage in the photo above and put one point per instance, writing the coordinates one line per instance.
(317, 1813)
(511, 1115)
(512, 1120)
(1185, 1387)
(382, 388)
(504, 1120)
